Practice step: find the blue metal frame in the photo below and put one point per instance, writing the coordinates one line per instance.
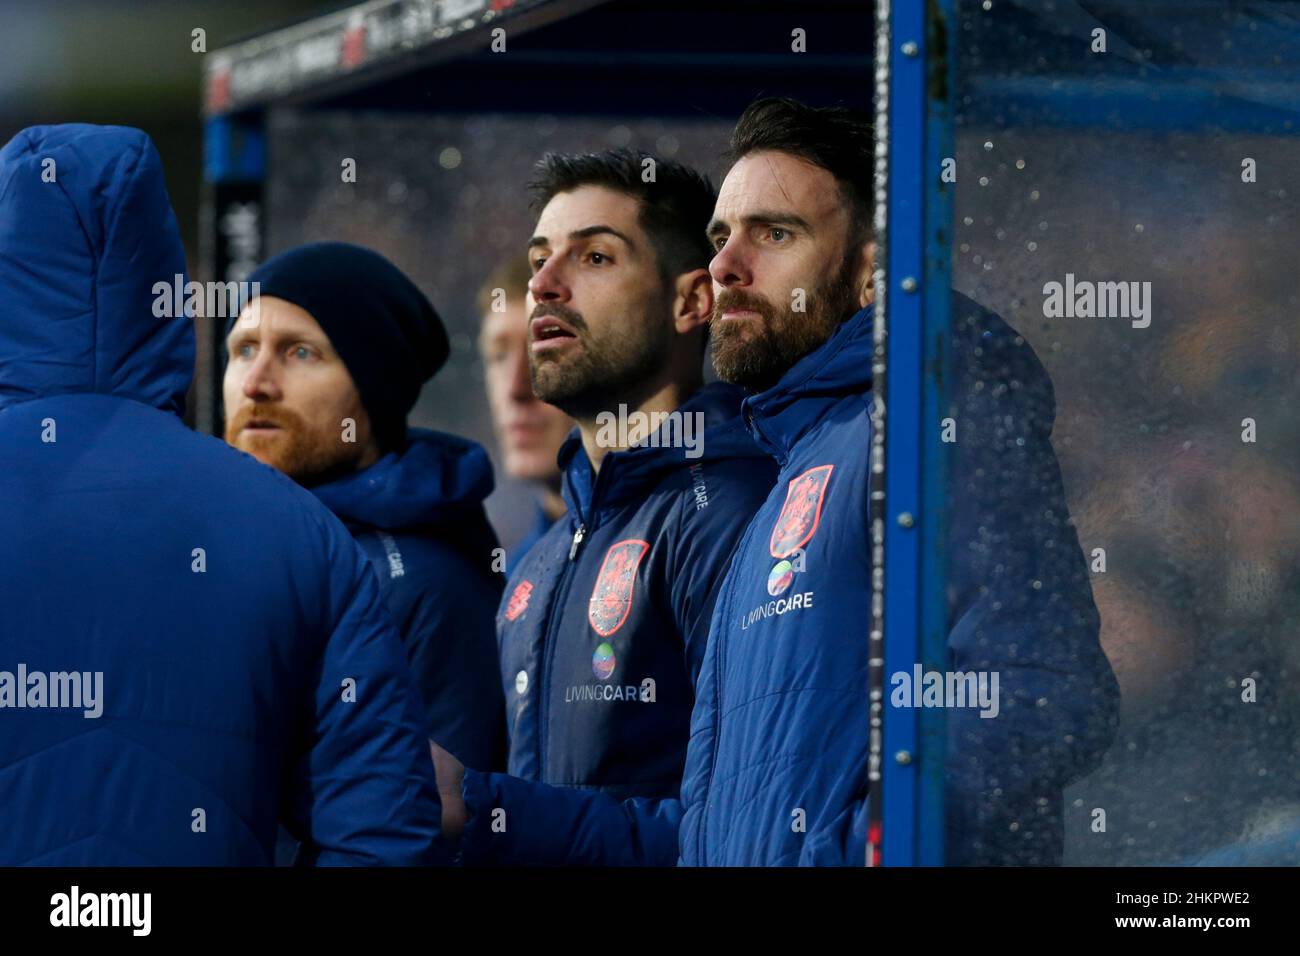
(918, 267)
(234, 149)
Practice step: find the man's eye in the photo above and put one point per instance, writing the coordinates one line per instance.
(719, 242)
(301, 352)
(244, 350)
(777, 233)
(537, 265)
(598, 257)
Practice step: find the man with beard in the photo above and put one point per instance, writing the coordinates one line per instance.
(603, 626)
(325, 364)
(248, 669)
(529, 432)
(777, 768)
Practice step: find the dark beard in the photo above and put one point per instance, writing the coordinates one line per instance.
(756, 354)
(605, 373)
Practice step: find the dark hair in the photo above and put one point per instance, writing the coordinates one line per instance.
(839, 140)
(675, 207)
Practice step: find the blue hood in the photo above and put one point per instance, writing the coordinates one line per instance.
(86, 231)
(839, 366)
(432, 481)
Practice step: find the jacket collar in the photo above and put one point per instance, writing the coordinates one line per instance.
(779, 417)
(629, 474)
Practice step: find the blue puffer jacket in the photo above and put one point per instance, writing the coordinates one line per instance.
(418, 515)
(536, 531)
(776, 771)
(230, 632)
(602, 631)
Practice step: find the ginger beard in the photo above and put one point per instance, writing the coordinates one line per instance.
(602, 371)
(306, 454)
(755, 353)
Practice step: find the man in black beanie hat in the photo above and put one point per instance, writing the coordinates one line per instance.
(325, 362)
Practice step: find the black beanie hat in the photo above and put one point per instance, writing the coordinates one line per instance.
(382, 326)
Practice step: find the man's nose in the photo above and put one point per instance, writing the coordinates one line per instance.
(261, 382)
(730, 266)
(521, 383)
(548, 283)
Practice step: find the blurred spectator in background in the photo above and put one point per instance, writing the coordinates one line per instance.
(324, 367)
(529, 431)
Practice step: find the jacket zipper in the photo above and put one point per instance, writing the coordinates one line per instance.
(558, 607)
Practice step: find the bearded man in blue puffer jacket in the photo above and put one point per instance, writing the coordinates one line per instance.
(776, 772)
(325, 364)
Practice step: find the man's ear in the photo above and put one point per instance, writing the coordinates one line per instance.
(865, 275)
(693, 303)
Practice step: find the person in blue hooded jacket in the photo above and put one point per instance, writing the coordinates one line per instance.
(776, 772)
(603, 625)
(325, 362)
(193, 647)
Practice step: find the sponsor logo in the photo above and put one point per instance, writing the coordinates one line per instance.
(780, 578)
(518, 600)
(396, 568)
(803, 600)
(603, 661)
(611, 598)
(699, 488)
(802, 511)
(645, 694)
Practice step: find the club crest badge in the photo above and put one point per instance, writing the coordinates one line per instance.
(518, 600)
(801, 512)
(611, 598)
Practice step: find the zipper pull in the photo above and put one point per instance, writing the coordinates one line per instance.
(577, 541)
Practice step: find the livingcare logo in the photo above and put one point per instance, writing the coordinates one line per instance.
(75, 908)
(57, 690)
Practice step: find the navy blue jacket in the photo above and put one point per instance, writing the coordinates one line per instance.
(776, 772)
(602, 631)
(418, 515)
(541, 524)
(247, 669)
